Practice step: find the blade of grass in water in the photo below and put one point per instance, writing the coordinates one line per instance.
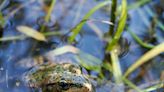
(47, 17)
(11, 38)
(142, 2)
(130, 84)
(145, 58)
(28, 31)
(21, 37)
(3, 4)
(107, 66)
(143, 17)
(150, 12)
(138, 4)
(117, 73)
(2, 20)
(135, 5)
(113, 17)
(87, 61)
(139, 41)
(75, 31)
(155, 87)
(159, 23)
(78, 12)
(120, 27)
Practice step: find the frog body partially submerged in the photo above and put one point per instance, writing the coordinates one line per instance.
(64, 77)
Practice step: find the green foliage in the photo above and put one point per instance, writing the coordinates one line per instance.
(133, 86)
(117, 73)
(120, 28)
(28, 31)
(89, 62)
(138, 4)
(149, 11)
(139, 41)
(75, 31)
(107, 66)
(155, 87)
(113, 17)
(145, 58)
(12, 38)
(2, 20)
(159, 23)
(116, 69)
(48, 16)
(21, 37)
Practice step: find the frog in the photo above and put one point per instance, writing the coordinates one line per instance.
(64, 77)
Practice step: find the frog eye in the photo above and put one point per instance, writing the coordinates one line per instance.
(64, 86)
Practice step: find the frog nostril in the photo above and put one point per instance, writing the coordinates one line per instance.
(64, 85)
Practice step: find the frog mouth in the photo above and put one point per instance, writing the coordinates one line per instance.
(64, 86)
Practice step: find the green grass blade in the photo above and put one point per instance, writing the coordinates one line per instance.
(12, 38)
(2, 20)
(142, 2)
(155, 87)
(138, 4)
(121, 26)
(107, 66)
(28, 31)
(79, 26)
(48, 16)
(113, 17)
(88, 62)
(160, 24)
(117, 73)
(130, 84)
(21, 37)
(139, 41)
(145, 58)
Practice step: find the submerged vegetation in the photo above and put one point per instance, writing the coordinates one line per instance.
(129, 49)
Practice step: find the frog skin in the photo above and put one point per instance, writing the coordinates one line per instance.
(64, 77)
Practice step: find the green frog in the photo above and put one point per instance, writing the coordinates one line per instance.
(63, 77)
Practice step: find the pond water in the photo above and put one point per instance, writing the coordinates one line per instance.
(67, 13)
